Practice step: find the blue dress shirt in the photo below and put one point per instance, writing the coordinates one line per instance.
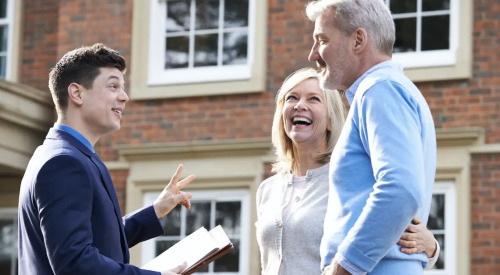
(75, 134)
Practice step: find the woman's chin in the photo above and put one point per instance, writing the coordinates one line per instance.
(300, 138)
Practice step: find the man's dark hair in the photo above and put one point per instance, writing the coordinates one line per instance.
(81, 66)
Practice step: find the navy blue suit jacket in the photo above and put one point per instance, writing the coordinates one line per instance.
(69, 217)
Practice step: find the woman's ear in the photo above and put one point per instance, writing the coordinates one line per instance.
(329, 125)
(75, 94)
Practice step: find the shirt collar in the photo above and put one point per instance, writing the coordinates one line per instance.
(75, 134)
(351, 92)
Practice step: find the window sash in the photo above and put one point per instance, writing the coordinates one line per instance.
(448, 189)
(7, 214)
(193, 32)
(159, 76)
(214, 196)
(437, 58)
(8, 21)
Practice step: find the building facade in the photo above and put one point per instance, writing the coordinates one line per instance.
(202, 76)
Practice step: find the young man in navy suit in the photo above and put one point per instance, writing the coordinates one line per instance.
(69, 217)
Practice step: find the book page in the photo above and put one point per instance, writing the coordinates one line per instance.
(191, 249)
(220, 237)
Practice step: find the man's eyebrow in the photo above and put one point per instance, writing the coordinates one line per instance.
(113, 77)
(318, 34)
(117, 78)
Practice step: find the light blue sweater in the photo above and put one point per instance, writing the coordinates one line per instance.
(381, 174)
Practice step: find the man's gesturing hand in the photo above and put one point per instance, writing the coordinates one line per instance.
(172, 195)
(175, 271)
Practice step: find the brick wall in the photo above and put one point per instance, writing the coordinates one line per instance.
(485, 214)
(39, 42)
(120, 181)
(474, 102)
(222, 117)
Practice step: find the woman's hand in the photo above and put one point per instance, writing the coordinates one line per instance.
(418, 239)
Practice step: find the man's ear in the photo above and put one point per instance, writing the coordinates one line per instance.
(75, 94)
(360, 40)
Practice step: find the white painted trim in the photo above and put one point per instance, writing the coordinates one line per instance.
(201, 74)
(10, 42)
(448, 189)
(485, 149)
(11, 214)
(158, 76)
(243, 195)
(439, 58)
(6, 213)
(117, 165)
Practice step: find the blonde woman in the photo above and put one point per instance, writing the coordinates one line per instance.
(291, 205)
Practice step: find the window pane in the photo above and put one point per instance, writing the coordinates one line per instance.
(7, 245)
(207, 14)
(3, 66)
(5, 264)
(440, 262)
(172, 222)
(436, 214)
(4, 35)
(178, 15)
(235, 48)
(403, 6)
(205, 53)
(162, 246)
(229, 262)
(229, 217)
(432, 5)
(198, 216)
(406, 35)
(235, 13)
(3, 8)
(177, 54)
(435, 33)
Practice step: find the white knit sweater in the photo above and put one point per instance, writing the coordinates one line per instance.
(291, 245)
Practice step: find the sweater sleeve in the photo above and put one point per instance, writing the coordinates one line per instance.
(433, 260)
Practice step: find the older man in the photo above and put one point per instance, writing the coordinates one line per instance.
(383, 167)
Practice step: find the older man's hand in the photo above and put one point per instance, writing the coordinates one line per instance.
(335, 269)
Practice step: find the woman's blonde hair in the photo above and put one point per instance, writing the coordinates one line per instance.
(287, 159)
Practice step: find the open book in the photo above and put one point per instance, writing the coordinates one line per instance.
(198, 250)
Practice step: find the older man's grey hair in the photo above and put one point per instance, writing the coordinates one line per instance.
(371, 15)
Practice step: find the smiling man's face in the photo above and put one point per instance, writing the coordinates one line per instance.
(331, 52)
(104, 103)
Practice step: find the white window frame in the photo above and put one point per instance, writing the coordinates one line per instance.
(11, 214)
(243, 195)
(437, 58)
(8, 21)
(158, 75)
(448, 189)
